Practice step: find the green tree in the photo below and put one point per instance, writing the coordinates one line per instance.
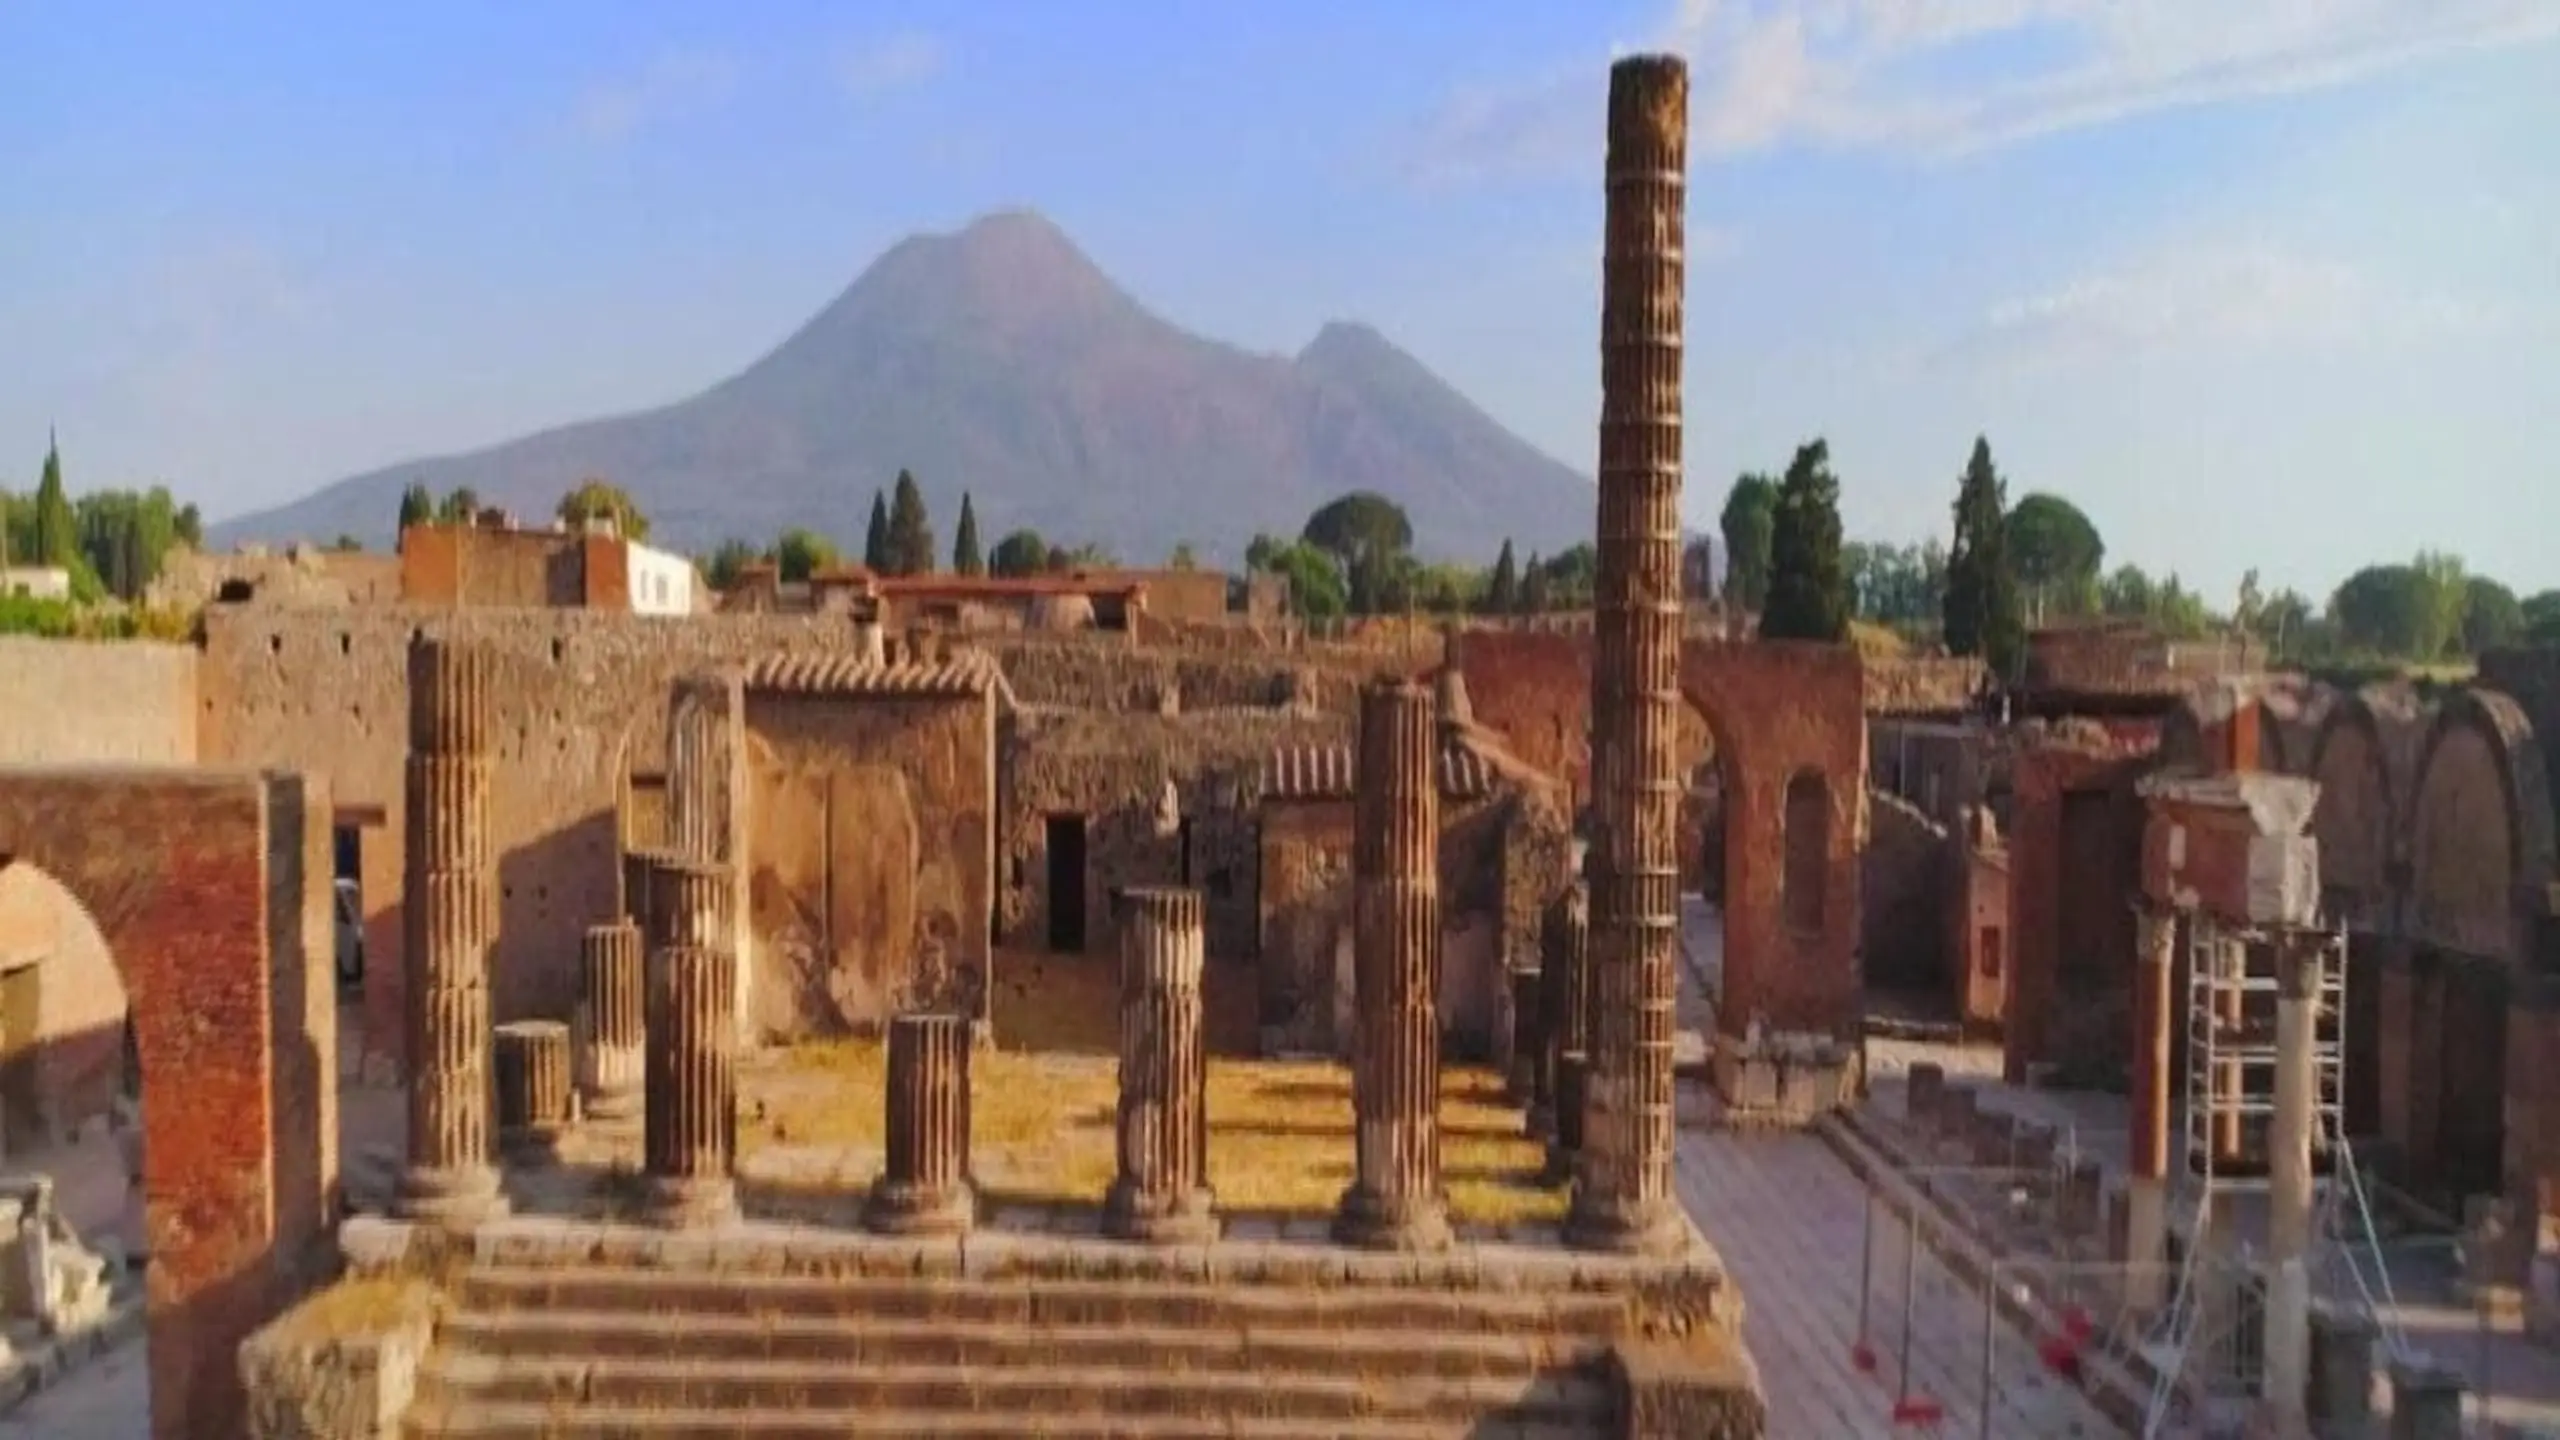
(460, 506)
(57, 533)
(1182, 557)
(1315, 578)
(1983, 612)
(2491, 616)
(2446, 589)
(727, 561)
(876, 553)
(1534, 586)
(910, 533)
(2384, 610)
(347, 545)
(1368, 537)
(1572, 577)
(799, 553)
(1808, 589)
(2057, 555)
(417, 505)
(1502, 587)
(2542, 617)
(1749, 526)
(598, 499)
(966, 558)
(1020, 553)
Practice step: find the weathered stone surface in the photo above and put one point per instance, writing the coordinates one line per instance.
(1622, 1196)
(1699, 1391)
(1394, 1200)
(689, 1131)
(612, 1020)
(342, 1365)
(451, 916)
(1162, 1191)
(924, 1186)
(534, 1091)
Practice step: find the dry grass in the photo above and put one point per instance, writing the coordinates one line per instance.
(1043, 1110)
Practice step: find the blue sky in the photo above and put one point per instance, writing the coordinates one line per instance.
(2268, 283)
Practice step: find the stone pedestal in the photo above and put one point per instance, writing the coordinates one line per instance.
(1564, 973)
(689, 1133)
(1923, 1088)
(1394, 1200)
(1161, 1194)
(449, 922)
(924, 1186)
(2426, 1401)
(2340, 1395)
(612, 1020)
(1622, 1198)
(533, 1086)
(1527, 1035)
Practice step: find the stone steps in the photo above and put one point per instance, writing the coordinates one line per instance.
(615, 1350)
(1046, 1390)
(611, 1336)
(545, 1422)
(493, 1289)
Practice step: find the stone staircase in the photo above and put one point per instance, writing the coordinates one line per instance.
(596, 1350)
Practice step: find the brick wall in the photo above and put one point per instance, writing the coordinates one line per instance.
(1904, 872)
(184, 875)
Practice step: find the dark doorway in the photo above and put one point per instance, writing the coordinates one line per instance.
(1066, 884)
(21, 1095)
(350, 849)
(1185, 841)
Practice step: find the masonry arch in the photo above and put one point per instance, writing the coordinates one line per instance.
(2356, 816)
(63, 1015)
(2480, 831)
(210, 891)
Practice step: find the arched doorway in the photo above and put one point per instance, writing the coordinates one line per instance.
(66, 1069)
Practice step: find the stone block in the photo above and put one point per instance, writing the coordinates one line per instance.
(343, 1365)
(2426, 1400)
(1706, 1389)
(2341, 1381)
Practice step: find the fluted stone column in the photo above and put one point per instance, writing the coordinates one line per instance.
(689, 1075)
(924, 1186)
(1622, 1198)
(1565, 954)
(449, 922)
(706, 784)
(1162, 1191)
(533, 1085)
(612, 1020)
(1394, 1200)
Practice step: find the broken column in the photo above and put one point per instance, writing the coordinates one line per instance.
(706, 782)
(689, 1075)
(1565, 971)
(533, 1085)
(1162, 1191)
(612, 1024)
(2147, 1163)
(449, 923)
(1394, 1200)
(2291, 1133)
(924, 1186)
(1622, 1199)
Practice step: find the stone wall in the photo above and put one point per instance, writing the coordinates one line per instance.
(119, 702)
(1781, 715)
(871, 841)
(301, 575)
(1904, 872)
(1107, 773)
(1921, 684)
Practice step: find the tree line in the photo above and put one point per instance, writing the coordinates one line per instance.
(112, 543)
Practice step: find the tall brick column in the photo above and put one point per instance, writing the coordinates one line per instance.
(612, 1019)
(1564, 954)
(1622, 1198)
(449, 920)
(1162, 1192)
(1394, 1200)
(689, 1133)
(924, 1187)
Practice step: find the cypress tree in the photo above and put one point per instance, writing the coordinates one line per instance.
(875, 539)
(966, 558)
(1808, 584)
(910, 534)
(57, 529)
(1985, 612)
(1502, 590)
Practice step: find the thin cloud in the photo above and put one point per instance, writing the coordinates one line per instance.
(1943, 77)
(893, 62)
(2217, 298)
(673, 83)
